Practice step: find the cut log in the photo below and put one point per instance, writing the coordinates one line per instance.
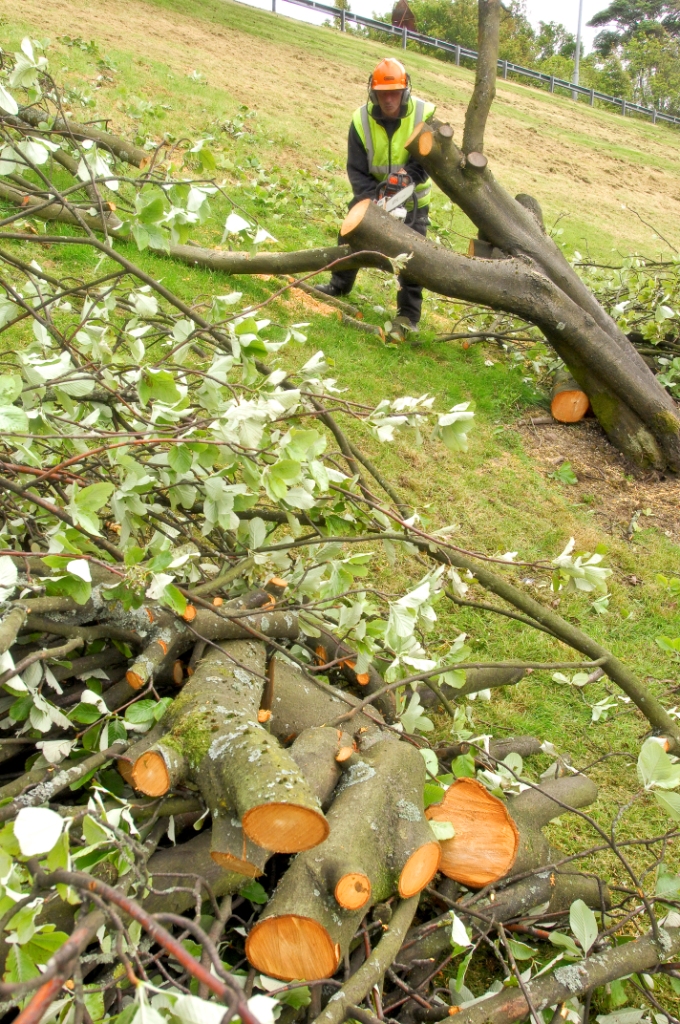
(301, 702)
(494, 840)
(485, 845)
(569, 403)
(379, 844)
(212, 734)
(476, 679)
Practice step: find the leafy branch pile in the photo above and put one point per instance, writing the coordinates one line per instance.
(196, 636)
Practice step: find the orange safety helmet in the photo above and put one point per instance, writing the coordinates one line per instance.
(390, 74)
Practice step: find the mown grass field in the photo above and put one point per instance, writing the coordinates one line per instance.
(275, 96)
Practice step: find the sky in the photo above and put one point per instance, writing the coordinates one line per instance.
(565, 11)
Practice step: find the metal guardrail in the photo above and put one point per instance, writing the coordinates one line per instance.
(462, 52)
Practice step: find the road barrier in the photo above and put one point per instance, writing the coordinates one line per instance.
(505, 67)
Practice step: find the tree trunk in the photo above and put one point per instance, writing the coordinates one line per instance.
(633, 407)
(564, 983)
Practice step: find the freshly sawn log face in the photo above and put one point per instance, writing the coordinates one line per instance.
(569, 403)
(485, 845)
(379, 843)
(212, 733)
(493, 839)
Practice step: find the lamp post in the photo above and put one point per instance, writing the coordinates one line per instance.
(577, 56)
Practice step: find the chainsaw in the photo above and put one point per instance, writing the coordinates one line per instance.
(394, 192)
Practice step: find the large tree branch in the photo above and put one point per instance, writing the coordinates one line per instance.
(489, 20)
(599, 969)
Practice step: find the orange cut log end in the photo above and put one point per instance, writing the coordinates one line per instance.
(178, 673)
(425, 143)
(285, 828)
(125, 769)
(569, 406)
(354, 217)
(189, 613)
(485, 845)
(343, 754)
(353, 890)
(292, 948)
(263, 715)
(150, 774)
(277, 583)
(419, 869)
(231, 863)
(135, 681)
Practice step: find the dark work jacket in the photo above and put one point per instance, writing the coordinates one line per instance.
(364, 185)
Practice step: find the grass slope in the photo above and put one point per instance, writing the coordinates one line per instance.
(286, 171)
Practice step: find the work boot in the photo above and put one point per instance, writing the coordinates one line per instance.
(401, 328)
(331, 289)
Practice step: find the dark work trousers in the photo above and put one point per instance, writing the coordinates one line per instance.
(409, 296)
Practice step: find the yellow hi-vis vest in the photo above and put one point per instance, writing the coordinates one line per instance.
(386, 155)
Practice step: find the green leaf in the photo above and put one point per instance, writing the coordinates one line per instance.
(134, 555)
(10, 388)
(20, 966)
(85, 714)
(58, 855)
(565, 942)
(94, 497)
(583, 924)
(298, 998)
(69, 586)
(520, 950)
(180, 458)
(160, 707)
(117, 730)
(254, 892)
(140, 712)
(13, 420)
(671, 646)
(655, 768)
(150, 207)
(91, 738)
(93, 831)
(670, 803)
(463, 766)
(565, 474)
(432, 794)
(172, 598)
(21, 708)
(159, 385)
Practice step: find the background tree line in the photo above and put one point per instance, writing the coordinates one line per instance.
(636, 54)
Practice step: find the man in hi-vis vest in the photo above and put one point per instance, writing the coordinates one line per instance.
(375, 150)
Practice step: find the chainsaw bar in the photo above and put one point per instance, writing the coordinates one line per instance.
(401, 197)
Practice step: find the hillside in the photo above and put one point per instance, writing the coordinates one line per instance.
(271, 99)
(583, 165)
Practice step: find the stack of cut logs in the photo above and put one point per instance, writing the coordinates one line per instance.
(288, 764)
